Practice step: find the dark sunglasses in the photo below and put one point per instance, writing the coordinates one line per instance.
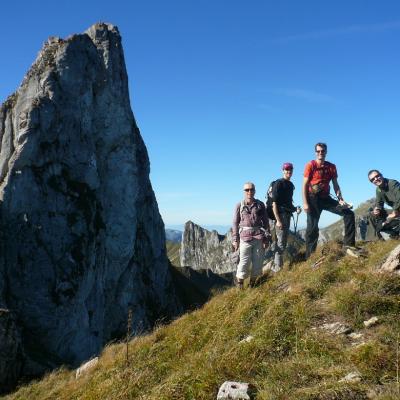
(374, 178)
(249, 190)
(320, 151)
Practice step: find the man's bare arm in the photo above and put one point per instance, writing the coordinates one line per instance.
(304, 191)
(277, 216)
(337, 190)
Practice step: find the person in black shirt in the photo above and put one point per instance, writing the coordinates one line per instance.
(282, 205)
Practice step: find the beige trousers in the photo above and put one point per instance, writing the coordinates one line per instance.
(250, 252)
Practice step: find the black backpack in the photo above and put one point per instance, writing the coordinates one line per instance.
(268, 201)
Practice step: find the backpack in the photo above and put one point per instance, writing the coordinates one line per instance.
(242, 205)
(268, 202)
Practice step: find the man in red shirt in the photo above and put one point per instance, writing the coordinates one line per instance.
(317, 175)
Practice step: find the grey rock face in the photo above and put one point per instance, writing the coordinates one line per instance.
(202, 249)
(83, 240)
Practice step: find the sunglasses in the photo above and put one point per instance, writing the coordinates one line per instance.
(374, 178)
(249, 190)
(320, 151)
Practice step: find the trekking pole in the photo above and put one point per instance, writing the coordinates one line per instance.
(295, 223)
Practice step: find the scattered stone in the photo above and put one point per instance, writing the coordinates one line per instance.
(352, 377)
(269, 266)
(83, 369)
(392, 262)
(284, 287)
(247, 339)
(371, 322)
(356, 336)
(337, 328)
(352, 253)
(233, 391)
(318, 262)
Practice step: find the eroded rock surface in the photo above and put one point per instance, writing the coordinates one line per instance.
(83, 240)
(203, 249)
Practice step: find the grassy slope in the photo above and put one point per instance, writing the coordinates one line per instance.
(288, 359)
(173, 250)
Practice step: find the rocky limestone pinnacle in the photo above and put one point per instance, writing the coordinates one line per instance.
(82, 239)
(203, 249)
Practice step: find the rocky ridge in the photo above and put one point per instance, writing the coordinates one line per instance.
(202, 249)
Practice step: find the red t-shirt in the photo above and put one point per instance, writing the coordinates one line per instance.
(320, 174)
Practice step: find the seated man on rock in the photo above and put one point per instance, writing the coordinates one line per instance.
(387, 191)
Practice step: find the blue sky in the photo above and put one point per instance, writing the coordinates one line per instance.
(226, 91)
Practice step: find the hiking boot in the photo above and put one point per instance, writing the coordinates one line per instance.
(239, 283)
(253, 282)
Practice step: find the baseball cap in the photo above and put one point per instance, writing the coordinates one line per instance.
(287, 165)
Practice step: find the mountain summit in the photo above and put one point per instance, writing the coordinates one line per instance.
(82, 238)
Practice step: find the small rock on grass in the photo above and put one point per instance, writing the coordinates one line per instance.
(352, 377)
(371, 322)
(356, 336)
(233, 391)
(337, 328)
(247, 339)
(84, 368)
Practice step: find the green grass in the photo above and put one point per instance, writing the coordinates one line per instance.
(289, 358)
(173, 251)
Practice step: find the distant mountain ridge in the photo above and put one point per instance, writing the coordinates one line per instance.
(202, 249)
(173, 235)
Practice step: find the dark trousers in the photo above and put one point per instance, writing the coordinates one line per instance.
(392, 227)
(316, 205)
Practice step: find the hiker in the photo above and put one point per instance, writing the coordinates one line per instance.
(250, 234)
(316, 197)
(387, 191)
(362, 224)
(282, 207)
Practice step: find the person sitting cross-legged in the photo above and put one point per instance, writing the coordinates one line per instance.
(387, 191)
